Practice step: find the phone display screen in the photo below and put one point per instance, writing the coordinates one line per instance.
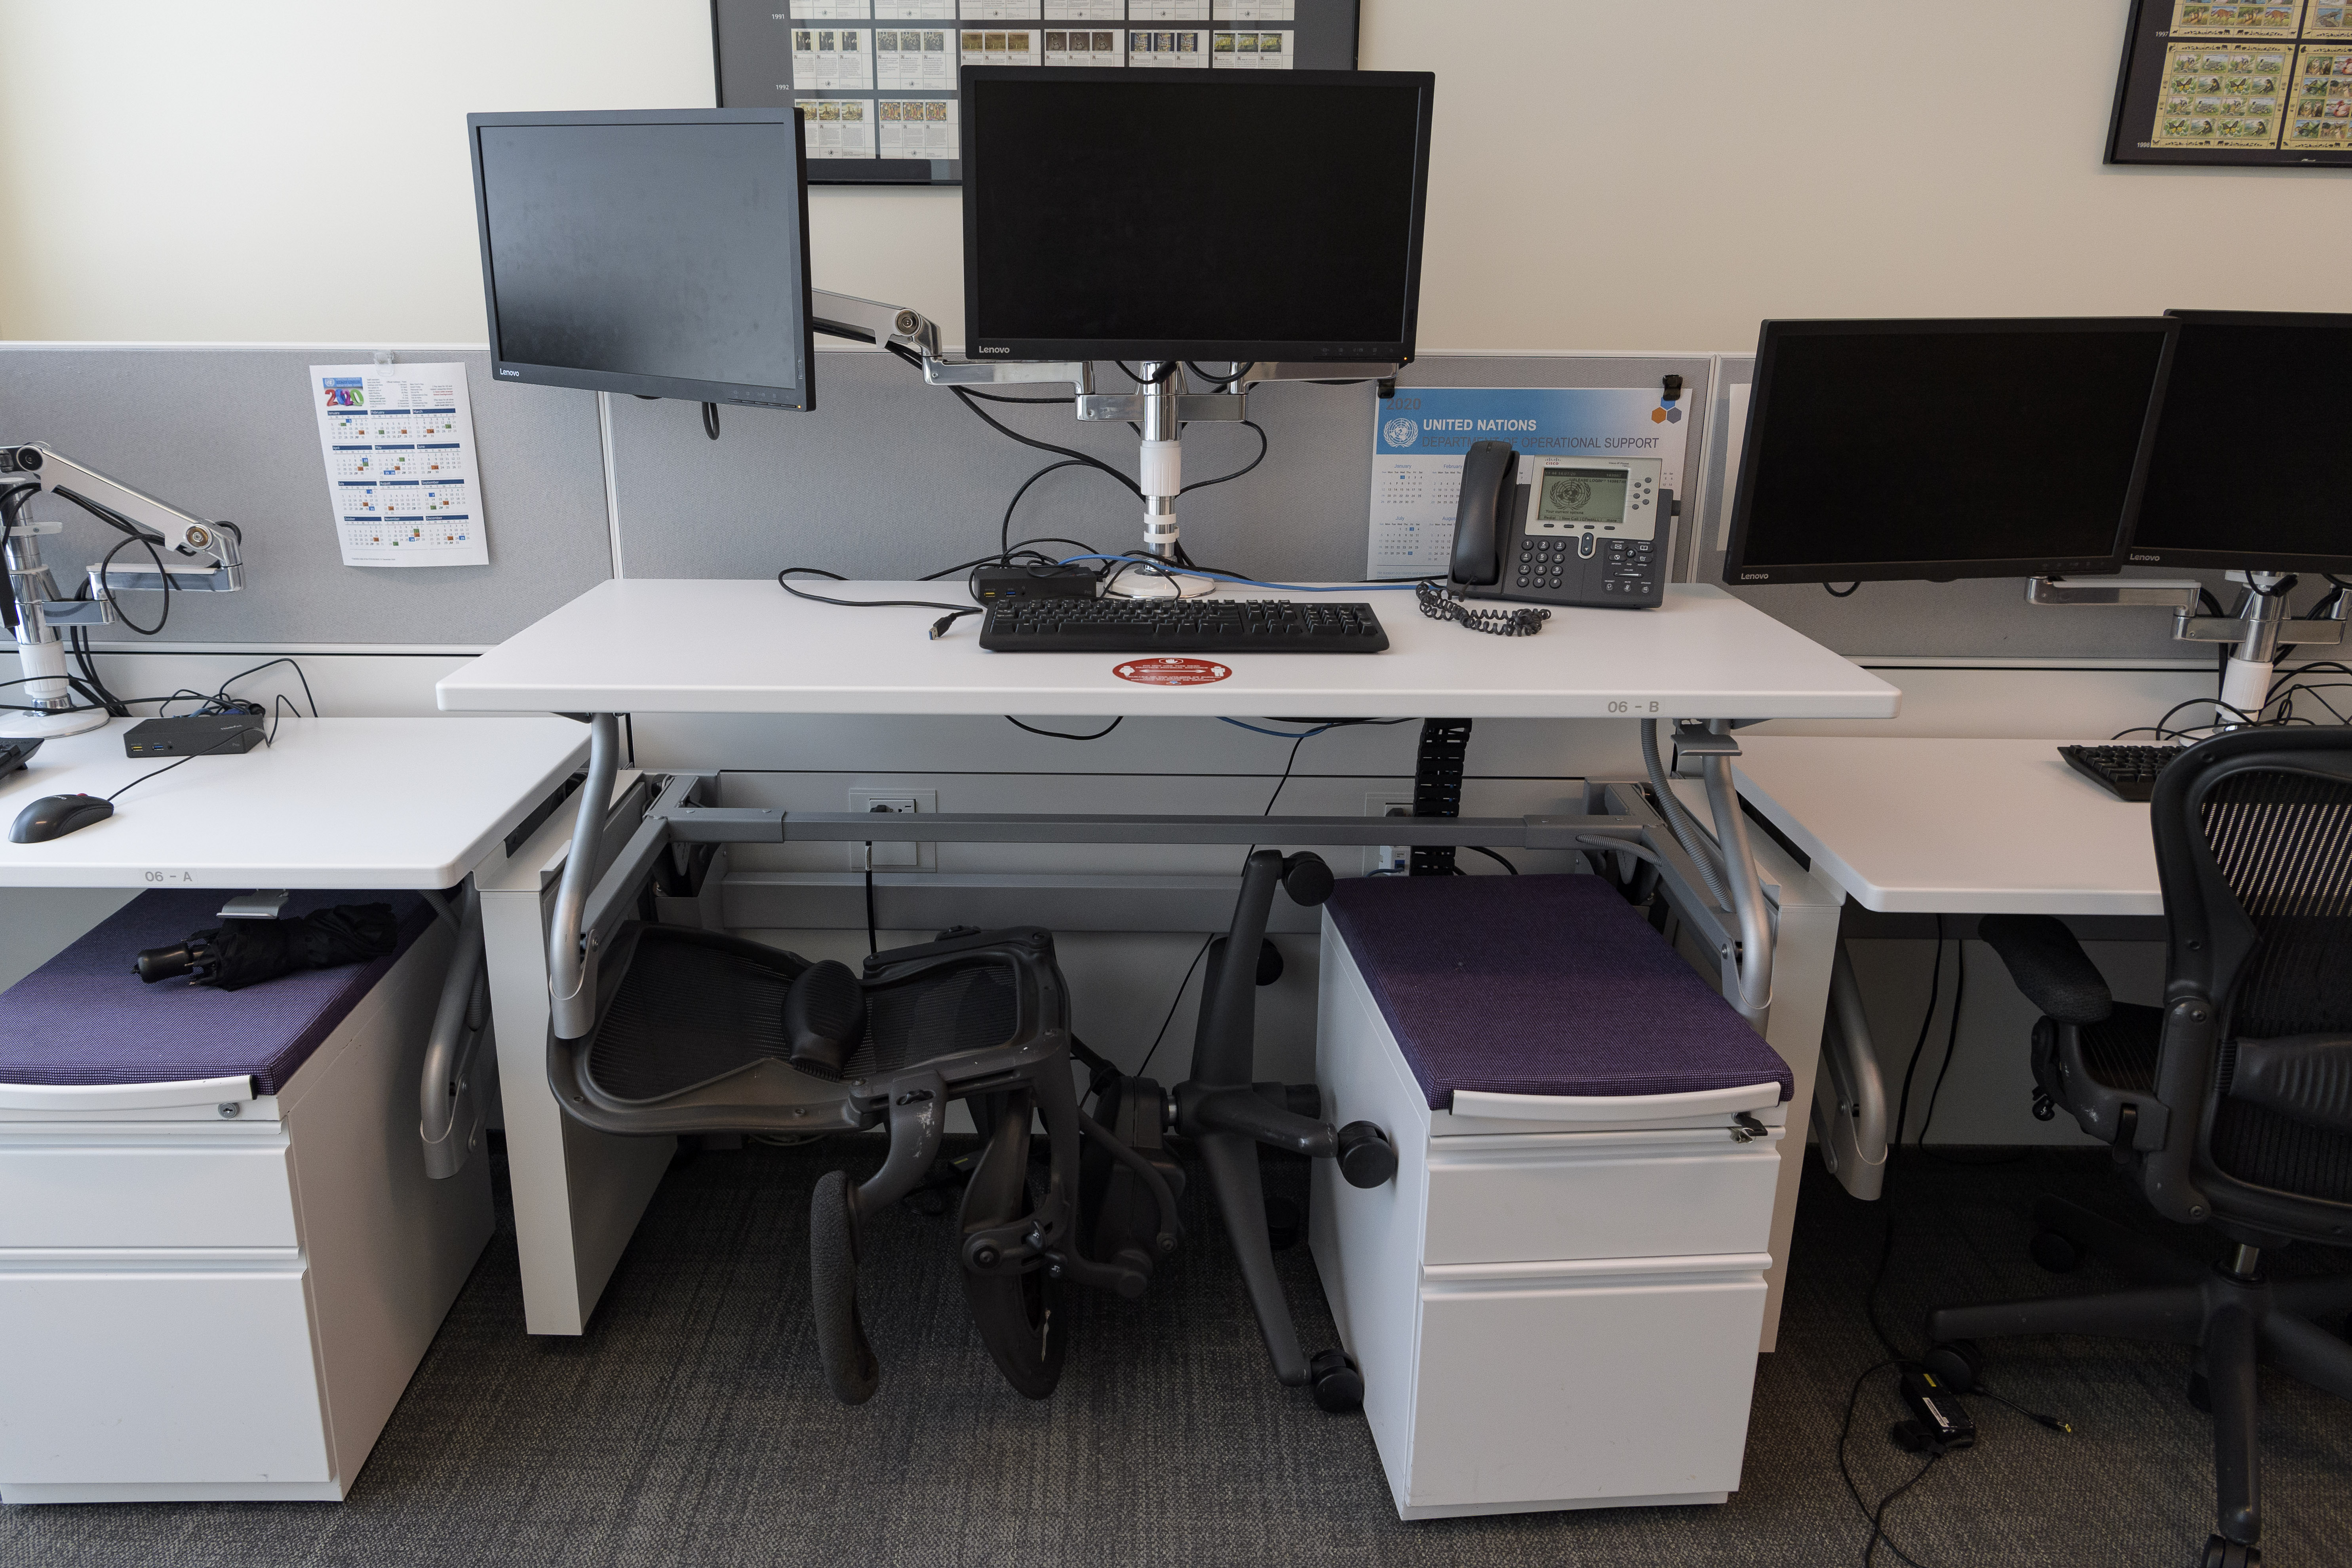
(1582, 495)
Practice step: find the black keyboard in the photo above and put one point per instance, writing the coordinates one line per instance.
(2128, 773)
(1180, 625)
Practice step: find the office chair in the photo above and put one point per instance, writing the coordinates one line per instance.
(1221, 1113)
(2232, 1104)
(700, 1031)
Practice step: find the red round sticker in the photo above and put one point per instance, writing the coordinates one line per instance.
(1172, 671)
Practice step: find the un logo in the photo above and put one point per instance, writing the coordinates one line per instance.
(1400, 432)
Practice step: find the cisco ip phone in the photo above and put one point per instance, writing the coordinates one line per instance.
(1560, 530)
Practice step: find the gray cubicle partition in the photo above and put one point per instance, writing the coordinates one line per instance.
(887, 478)
(891, 478)
(1979, 618)
(227, 432)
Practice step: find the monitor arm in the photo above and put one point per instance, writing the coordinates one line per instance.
(2259, 626)
(211, 563)
(1159, 408)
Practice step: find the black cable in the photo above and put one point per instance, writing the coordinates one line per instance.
(13, 501)
(1440, 605)
(1059, 735)
(1848, 592)
(1853, 1489)
(1237, 473)
(1952, 1031)
(1006, 431)
(873, 941)
(1241, 369)
(223, 690)
(1140, 379)
(1878, 1517)
(939, 627)
(710, 420)
(164, 617)
(1489, 854)
(1172, 1001)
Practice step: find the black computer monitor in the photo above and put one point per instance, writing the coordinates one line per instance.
(657, 252)
(1938, 450)
(1205, 214)
(2252, 462)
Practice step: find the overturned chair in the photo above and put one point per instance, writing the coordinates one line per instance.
(700, 1031)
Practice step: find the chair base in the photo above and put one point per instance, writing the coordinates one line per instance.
(2236, 1320)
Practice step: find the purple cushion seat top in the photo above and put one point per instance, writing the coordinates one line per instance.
(1540, 986)
(84, 1017)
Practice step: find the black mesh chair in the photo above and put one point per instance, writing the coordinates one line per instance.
(700, 1031)
(2232, 1104)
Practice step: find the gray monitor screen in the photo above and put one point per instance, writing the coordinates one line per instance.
(670, 254)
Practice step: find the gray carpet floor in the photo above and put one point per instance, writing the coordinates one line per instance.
(690, 1423)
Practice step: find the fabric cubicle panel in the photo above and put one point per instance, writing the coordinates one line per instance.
(1984, 617)
(891, 478)
(227, 432)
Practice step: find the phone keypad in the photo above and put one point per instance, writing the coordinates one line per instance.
(1542, 561)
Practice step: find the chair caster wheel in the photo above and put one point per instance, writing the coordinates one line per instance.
(2220, 1553)
(1338, 1386)
(1959, 1364)
(2200, 1395)
(2056, 1252)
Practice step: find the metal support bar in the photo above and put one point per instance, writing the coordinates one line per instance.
(1754, 998)
(570, 967)
(678, 816)
(2175, 592)
(450, 1111)
(1049, 827)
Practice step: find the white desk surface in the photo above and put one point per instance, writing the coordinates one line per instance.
(679, 646)
(336, 803)
(1966, 827)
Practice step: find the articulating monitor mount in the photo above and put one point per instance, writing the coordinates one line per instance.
(32, 607)
(1159, 407)
(2259, 628)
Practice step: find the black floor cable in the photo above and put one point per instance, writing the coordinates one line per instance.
(873, 939)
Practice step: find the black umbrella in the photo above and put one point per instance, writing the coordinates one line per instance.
(237, 953)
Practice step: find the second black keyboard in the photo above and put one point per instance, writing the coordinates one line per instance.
(1180, 625)
(2128, 771)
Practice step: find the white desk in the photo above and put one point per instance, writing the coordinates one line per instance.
(1938, 827)
(335, 803)
(296, 1247)
(746, 647)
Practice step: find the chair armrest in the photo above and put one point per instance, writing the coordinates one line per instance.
(2050, 966)
(2305, 1077)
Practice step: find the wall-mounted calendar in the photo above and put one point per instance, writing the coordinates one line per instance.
(876, 79)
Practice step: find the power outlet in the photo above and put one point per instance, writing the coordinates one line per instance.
(896, 803)
(1388, 856)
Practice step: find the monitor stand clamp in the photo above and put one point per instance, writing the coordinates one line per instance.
(2259, 628)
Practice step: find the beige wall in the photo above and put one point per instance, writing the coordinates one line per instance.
(1607, 175)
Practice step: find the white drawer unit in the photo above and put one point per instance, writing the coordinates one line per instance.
(1557, 1302)
(208, 1295)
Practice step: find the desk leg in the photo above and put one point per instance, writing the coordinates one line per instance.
(1805, 944)
(577, 1193)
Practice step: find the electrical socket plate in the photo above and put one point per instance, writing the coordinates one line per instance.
(895, 856)
(1388, 856)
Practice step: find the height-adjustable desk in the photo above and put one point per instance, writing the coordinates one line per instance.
(1908, 826)
(744, 647)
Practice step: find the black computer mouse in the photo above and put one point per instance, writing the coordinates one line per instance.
(54, 815)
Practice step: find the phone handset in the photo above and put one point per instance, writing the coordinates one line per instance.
(1489, 481)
